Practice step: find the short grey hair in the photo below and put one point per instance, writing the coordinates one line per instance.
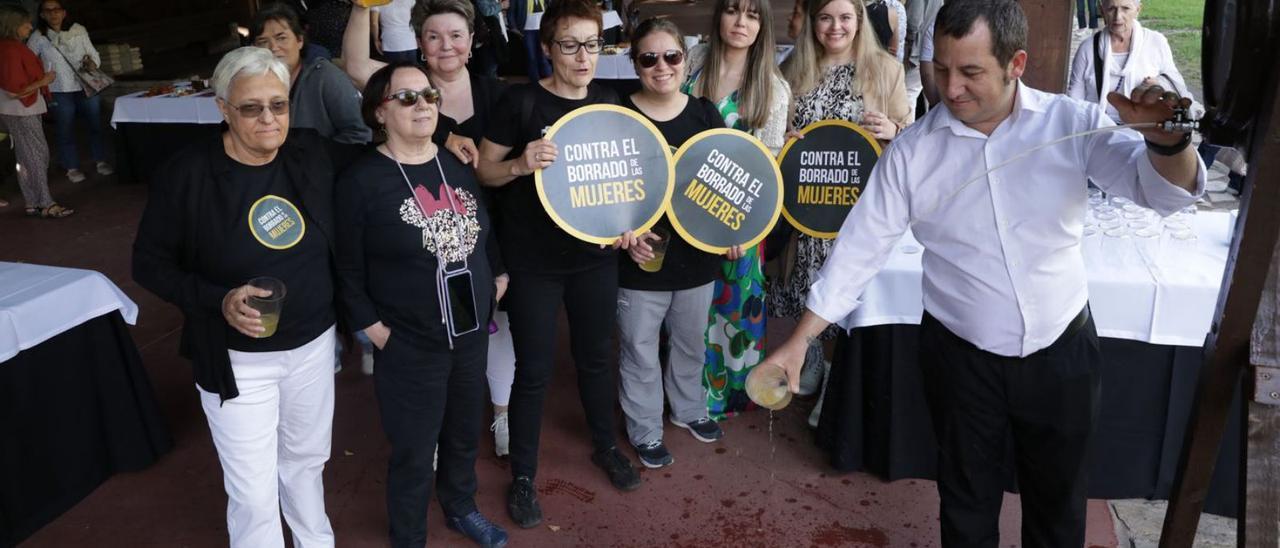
(247, 60)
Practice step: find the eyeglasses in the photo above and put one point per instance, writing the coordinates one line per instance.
(254, 110)
(409, 97)
(649, 59)
(571, 47)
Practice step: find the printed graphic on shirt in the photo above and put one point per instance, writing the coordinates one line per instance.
(276, 223)
(450, 228)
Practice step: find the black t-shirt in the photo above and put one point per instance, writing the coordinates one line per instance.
(530, 240)
(272, 236)
(685, 266)
(386, 259)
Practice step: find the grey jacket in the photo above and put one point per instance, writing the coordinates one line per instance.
(324, 99)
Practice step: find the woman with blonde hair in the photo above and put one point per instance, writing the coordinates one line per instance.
(837, 71)
(737, 73)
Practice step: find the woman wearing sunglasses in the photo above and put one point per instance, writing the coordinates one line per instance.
(679, 293)
(548, 266)
(254, 202)
(419, 273)
(737, 72)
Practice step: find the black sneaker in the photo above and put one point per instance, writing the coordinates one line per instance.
(705, 430)
(654, 455)
(522, 503)
(479, 529)
(622, 475)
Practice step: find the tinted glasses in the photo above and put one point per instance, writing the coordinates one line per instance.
(253, 110)
(409, 97)
(649, 59)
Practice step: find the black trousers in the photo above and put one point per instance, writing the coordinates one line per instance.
(590, 299)
(428, 396)
(1046, 403)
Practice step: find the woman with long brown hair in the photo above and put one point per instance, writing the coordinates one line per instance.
(736, 71)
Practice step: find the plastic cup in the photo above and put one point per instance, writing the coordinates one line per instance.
(767, 386)
(659, 250)
(269, 306)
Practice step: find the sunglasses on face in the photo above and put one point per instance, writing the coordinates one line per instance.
(571, 47)
(649, 59)
(254, 110)
(409, 97)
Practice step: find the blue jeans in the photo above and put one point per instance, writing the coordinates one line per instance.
(407, 56)
(65, 107)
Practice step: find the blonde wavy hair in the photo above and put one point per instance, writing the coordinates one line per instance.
(875, 67)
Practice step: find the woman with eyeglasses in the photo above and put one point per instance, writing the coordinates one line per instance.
(837, 71)
(678, 295)
(321, 97)
(548, 266)
(419, 273)
(736, 71)
(254, 202)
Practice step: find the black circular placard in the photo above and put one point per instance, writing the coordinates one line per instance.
(613, 173)
(728, 191)
(824, 175)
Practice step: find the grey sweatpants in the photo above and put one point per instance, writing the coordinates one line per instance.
(641, 315)
(33, 158)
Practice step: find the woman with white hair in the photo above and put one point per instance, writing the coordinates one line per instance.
(254, 202)
(1121, 56)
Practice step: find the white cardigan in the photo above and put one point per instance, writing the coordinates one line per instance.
(1149, 57)
(75, 43)
(773, 134)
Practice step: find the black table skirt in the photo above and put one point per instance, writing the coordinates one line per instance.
(875, 418)
(74, 410)
(141, 148)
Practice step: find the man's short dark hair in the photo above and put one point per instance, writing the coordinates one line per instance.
(1005, 19)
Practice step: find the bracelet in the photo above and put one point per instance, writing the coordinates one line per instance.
(1170, 150)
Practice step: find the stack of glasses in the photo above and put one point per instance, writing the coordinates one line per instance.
(1125, 227)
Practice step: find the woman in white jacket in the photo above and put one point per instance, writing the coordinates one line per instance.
(1120, 56)
(64, 47)
(1123, 54)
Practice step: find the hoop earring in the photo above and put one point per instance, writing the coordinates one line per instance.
(422, 57)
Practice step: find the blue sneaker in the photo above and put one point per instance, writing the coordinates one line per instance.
(478, 528)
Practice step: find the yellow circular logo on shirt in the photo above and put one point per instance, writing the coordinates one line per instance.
(276, 223)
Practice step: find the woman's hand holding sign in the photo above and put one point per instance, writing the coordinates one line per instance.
(537, 155)
(880, 125)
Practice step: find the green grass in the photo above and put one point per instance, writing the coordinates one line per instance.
(1180, 21)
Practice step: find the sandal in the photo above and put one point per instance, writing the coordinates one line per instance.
(54, 211)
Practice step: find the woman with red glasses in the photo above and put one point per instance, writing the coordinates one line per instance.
(419, 273)
(678, 295)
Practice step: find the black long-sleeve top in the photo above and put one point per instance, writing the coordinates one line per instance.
(388, 251)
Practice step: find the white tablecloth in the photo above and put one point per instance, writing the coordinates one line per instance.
(1167, 298)
(165, 110)
(38, 302)
(534, 20)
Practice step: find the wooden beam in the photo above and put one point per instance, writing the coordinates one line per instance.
(1049, 25)
(1227, 347)
(1258, 525)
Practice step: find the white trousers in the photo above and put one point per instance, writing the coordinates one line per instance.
(914, 87)
(273, 440)
(501, 370)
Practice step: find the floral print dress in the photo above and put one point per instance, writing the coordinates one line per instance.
(831, 99)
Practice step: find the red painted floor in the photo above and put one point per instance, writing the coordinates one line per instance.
(752, 489)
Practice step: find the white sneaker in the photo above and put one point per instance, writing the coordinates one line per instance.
(501, 435)
(75, 175)
(105, 168)
(366, 363)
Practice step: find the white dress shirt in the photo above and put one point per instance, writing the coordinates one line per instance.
(55, 48)
(1002, 262)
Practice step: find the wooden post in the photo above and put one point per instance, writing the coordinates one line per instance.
(1049, 52)
(1260, 475)
(1227, 348)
